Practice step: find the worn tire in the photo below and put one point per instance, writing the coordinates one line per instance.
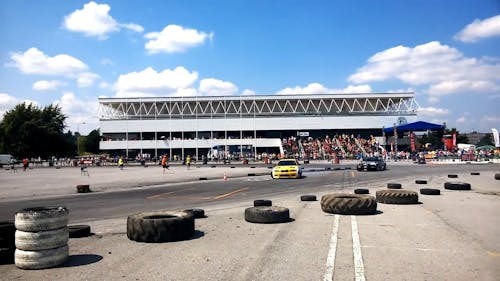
(497, 176)
(348, 204)
(308, 198)
(361, 191)
(42, 240)
(452, 176)
(262, 202)
(267, 214)
(197, 213)
(157, 227)
(457, 186)
(7, 234)
(41, 259)
(83, 188)
(430, 191)
(7, 255)
(475, 174)
(41, 219)
(397, 196)
(421, 181)
(78, 231)
(394, 185)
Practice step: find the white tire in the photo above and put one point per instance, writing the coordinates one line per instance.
(41, 219)
(42, 240)
(41, 259)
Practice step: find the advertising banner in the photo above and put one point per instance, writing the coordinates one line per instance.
(412, 141)
(496, 137)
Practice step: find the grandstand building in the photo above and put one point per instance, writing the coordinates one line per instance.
(197, 126)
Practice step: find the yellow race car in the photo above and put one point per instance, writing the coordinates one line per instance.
(287, 168)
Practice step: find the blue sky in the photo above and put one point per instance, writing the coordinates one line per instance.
(72, 52)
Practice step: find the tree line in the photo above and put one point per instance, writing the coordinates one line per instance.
(28, 131)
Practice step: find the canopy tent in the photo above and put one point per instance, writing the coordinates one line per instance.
(415, 126)
(485, 147)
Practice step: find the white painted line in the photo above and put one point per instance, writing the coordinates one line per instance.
(359, 269)
(330, 261)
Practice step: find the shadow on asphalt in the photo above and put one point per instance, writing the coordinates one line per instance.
(79, 260)
(197, 234)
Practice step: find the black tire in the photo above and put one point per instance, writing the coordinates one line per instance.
(348, 204)
(78, 231)
(308, 198)
(389, 196)
(430, 191)
(41, 259)
(41, 240)
(394, 185)
(457, 186)
(262, 202)
(197, 213)
(7, 234)
(7, 255)
(41, 218)
(203, 179)
(475, 174)
(361, 191)
(497, 176)
(267, 214)
(421, 181)
(452, 176)
(251, 174)
(83, 188)
(157, 227)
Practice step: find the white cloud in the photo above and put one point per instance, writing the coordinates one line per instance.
(248, 92)
(432, 111)
(462, 120)
(44, 85)
(175, 38)
(215, 87)
(149, 82)
(34, 61)
(318, 89)
(494, 120)
(86, 79)
(442, 68)
(82, 114)
(480, 29)
(94, 20)
(8, 102)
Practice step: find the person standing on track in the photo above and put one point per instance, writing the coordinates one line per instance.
(120, 162)
(164, 163)
(188, 162)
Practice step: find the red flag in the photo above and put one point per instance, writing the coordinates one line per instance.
(412, 141)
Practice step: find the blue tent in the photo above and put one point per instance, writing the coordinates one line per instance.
(415, 126)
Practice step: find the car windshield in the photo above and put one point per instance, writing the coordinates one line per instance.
(371, 159)
(287, 163)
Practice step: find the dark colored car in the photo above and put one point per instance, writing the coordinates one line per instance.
(372, 163)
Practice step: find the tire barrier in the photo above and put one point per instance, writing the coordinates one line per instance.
(348, 204)
(394, 185)
(267, 214)
(79, 231)
(41, 259)
(430, 191)
(262, 202)
(83, 188)
(308, 198)
(158, 227)
(475, 174)
(361, 191)
(41, 237)
(421, 181)
(497, 176)
(7, 242)
(197, 213)
(457, 186)
(397, 196)
(453, 176)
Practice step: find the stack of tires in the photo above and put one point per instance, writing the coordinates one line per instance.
(41, 237)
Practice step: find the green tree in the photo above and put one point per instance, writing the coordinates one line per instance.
(486, 140)
(30, 131)
(92, 142)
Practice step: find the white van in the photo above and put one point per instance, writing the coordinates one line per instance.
(6, 159)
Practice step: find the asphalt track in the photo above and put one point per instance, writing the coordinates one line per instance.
(454, 236)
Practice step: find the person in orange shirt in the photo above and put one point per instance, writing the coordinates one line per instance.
(164, 163)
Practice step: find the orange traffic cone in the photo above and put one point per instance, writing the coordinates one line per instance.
(225, 176)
